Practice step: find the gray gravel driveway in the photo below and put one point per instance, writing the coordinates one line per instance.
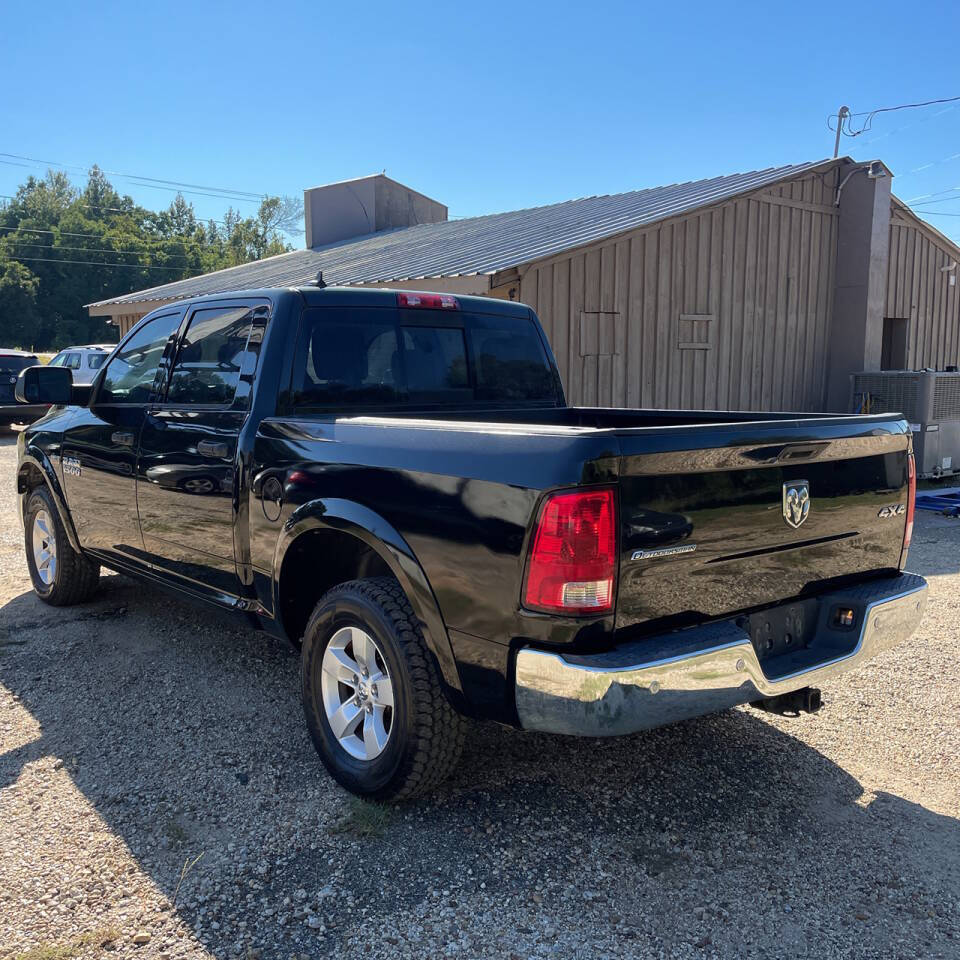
(159, 798)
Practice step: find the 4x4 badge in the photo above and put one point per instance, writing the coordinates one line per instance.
(796, 502)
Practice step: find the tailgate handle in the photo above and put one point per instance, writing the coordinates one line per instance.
(122, 438)
(802, 451)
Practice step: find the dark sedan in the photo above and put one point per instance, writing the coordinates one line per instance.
(11, 363)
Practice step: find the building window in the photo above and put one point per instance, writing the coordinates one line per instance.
(695, 331)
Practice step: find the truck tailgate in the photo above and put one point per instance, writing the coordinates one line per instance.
(724, 518)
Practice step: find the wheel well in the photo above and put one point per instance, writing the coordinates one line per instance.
(29, 477)
(314, 563)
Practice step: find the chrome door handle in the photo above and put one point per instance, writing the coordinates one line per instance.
(122, 438)
(212, 448)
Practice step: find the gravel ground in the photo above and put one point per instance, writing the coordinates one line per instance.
(159, 798)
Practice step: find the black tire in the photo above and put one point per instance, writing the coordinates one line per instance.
(75, 577)
(426, 735)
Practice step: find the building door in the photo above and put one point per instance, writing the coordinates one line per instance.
(186, 473)
(893, 352)
(100, 444)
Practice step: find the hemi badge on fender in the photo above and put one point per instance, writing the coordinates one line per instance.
(663, 552)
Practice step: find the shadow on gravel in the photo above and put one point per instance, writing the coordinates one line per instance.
(186, 737)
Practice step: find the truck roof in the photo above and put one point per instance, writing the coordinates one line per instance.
(359, 296)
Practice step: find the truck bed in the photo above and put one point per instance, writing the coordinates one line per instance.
(701, 531)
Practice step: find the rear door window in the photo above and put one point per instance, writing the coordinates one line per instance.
(210, 358)
(72, 361)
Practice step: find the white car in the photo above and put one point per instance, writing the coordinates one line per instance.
(83, 361)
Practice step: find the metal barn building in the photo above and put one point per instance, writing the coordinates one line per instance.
(763, 290)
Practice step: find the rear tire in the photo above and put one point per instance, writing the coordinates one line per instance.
(366, 669)
(60, 575)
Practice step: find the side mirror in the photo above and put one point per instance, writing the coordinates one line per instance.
(52, 385)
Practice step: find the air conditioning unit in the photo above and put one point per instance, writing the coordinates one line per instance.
(930, 400)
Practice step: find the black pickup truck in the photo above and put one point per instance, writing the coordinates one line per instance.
(393, 482)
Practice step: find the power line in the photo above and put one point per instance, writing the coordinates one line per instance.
(195, 193)
(847, 130)
(98, 263)
(923, 197)
(228, 193)
(100, 206)
(909, 126)
(98, 236)
(44, 246)
(928, 203)
(905, 106)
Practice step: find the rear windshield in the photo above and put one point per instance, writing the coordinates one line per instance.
(10, 364)
(375, 357)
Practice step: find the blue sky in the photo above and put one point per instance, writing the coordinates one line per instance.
(485, 107)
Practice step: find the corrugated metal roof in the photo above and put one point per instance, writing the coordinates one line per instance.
(477, 245)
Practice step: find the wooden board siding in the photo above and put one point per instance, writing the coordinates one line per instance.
(726, 308)
(920, 292)
(126, 321)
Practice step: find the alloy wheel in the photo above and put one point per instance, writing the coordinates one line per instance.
(357, 693)
(44, 547)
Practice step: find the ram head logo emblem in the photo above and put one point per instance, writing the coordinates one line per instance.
(796, 502)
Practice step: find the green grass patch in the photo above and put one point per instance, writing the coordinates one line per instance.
(72, 948)
(364, 819)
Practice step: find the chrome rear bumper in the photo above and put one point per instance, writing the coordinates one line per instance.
(659, 680)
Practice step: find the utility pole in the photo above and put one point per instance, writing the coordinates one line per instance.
(842, 115)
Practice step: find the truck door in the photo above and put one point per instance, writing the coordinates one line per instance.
(187, 492)
(100, 445)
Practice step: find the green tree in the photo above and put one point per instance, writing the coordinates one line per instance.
(18, 304)
(61, 247)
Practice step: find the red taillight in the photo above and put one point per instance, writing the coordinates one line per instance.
(572, 565)
(428, 301)
(911, 505)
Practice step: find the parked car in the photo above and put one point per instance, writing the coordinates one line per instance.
(83, 362)
(11, 363)
(399, 488)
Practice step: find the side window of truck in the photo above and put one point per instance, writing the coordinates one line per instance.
(130, 375)
(210, 358)
(348, 357)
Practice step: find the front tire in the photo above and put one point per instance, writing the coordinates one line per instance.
(372, 694)
(60, 575)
